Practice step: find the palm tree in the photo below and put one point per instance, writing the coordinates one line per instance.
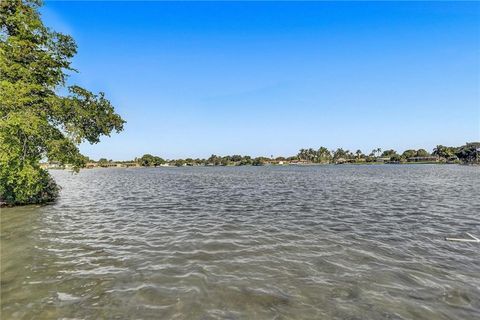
(311, 154)
(358, 153)
(301, 154)
(323, 154)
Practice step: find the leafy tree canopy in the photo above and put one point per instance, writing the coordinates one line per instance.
(340, 154)
(389, 153)
(422, 153)
(36, 122)
(410, 153)
(148, 160)
(444, 152)
(469, 153)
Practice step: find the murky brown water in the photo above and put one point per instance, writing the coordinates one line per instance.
(322, 242)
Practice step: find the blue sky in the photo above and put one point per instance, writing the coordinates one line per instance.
(268, 78)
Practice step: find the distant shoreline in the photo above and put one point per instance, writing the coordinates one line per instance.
(466, 154)
(269, 165)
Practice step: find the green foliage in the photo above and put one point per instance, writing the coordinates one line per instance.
(214, 160)
(359, 154)
(444, 152)
(180, 163)
(26, 184)
(395, 158)
(245, 161)
(469, 153)
(317, 156)
(259, 161)
(147, 160)
(422, 153)
(103, 162)
(224, 162)
(376, 152)
(340, 154)
(389, 153)
(35, 121)
(409, 154)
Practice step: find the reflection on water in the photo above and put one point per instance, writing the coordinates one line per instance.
(320, 242)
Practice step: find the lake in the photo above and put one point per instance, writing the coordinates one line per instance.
(273, 242)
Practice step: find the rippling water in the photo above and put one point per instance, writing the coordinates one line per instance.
(313, 242)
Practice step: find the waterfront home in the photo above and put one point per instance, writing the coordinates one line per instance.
(300, 162)
(108, 164)
(91, 165)
(128, 165)
(423, 159)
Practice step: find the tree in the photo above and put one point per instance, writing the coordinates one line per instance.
(324, 154)
(102, 162)
(246, 160)
(214, 160)
(395, 158)
(312, 155)
(389, 153)
(422, 153)
(376, 152)
(259, 161)
(36, 122)
(302, 154)
(469, 153)
(157, 161)
(409, 154)
(236, 158)
(358, 153)
(179, 163)
(224, 161)
(443, 152)
(147, 160)
(339, 154)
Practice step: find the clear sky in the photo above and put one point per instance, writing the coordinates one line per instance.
(192, 79)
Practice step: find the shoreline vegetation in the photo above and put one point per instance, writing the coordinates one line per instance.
(466, 154)
(42, 114)
(44, 117)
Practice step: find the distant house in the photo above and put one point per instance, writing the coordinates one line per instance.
(127, 164)
(422, 159)
(131, 164)
(300, 162)
(277, 162)
(108, 164)
(383, 159)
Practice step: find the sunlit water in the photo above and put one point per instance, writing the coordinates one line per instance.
(312, 242)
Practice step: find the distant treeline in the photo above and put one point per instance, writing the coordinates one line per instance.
(468, 153)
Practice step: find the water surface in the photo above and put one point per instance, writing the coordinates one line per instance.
(312, 242)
